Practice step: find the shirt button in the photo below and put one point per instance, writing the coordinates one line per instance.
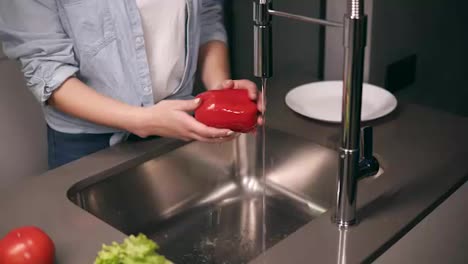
(139, 40)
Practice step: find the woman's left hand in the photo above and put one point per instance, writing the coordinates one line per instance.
(251, 87)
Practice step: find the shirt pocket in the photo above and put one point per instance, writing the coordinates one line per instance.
(91, 24)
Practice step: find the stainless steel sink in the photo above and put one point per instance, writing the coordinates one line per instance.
(204, 203)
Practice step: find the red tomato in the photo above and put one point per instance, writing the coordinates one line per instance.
(229, 108)
(26, 245)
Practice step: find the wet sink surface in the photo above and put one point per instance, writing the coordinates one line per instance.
(205, 203)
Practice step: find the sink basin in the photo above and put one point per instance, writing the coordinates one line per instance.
(209, 203)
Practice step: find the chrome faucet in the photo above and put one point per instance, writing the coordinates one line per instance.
(355, 162)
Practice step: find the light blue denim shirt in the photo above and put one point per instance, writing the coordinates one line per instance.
(99, 41)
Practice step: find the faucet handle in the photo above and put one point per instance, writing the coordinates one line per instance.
(369, 165)
(367, 146)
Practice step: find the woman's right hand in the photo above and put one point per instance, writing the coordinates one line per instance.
(171, 118)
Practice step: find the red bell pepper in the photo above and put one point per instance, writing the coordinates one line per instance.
(229, 108)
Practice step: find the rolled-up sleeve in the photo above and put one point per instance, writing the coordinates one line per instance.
(31, 32)
(212, 24)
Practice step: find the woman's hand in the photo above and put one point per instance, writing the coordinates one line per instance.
(170, 118)
(251, 87)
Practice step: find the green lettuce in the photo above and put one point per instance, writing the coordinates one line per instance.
(134, 250)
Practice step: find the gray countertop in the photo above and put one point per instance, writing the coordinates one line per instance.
(441, 237)
(422, 152)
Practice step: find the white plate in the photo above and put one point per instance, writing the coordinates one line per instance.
(322, 101)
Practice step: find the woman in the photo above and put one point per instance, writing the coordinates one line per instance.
(105, 70)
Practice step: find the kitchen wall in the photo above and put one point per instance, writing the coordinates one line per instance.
(436, 32)
(23, 151)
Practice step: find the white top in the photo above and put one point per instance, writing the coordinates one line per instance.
(164, 26)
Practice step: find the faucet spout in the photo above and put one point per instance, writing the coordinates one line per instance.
(351, 166)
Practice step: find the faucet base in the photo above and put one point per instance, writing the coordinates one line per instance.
(346, 186)
(343, 224)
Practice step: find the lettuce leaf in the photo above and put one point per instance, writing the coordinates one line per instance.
(134, 250)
